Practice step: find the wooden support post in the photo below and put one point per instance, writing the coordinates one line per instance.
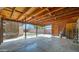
(25, 32)
(1, 30)
(36, 31)
(77, 34)
(44, 29)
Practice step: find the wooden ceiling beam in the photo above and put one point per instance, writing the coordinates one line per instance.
(7, 10)
(27, 13)
(52, 12)
(37, 14)
(47, 21)
(68, 13)
(74, 15)
(12, 12)
(21, 22)
(41, 19)
(47, 14)
(66, 21)
(22, 14)
(46, 17)
(63, 15)
(50, 21)
(18, 11)
(35, 23)
(55, 16)
(44, 21)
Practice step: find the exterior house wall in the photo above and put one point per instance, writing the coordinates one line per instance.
(70, 30)
(57, 27)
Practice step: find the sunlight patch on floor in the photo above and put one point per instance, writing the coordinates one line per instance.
(23, 37)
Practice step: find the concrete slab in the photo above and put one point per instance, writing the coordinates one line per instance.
(39, 44)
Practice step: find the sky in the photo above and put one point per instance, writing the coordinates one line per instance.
(28, 26)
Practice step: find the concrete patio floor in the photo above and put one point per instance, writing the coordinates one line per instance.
(40, 44)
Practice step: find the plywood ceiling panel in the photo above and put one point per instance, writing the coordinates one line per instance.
(21, 9)
(15, 15)
(6, 13)
(8, 9)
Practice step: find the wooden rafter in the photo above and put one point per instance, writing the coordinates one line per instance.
(68, 13)
(74, 15)
(43, 11)
(44, 18)
(63, 15)
(54, 16)
(47, 13)
(12, 12)
(66, 17)
(36, 14)
(21, 15)
(7, 9)
(12, 9)
(27, 13)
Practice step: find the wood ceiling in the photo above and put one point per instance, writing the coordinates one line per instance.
(39, 15)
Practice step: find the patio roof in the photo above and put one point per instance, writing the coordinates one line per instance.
(39, 15)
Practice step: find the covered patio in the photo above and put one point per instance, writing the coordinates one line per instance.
(62, 35)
